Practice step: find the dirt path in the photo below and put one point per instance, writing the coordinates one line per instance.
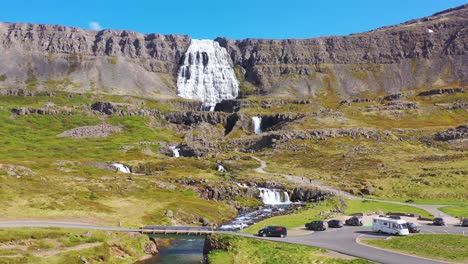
(432, 209)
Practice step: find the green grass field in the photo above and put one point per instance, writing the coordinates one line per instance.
(452, 248)
(56, 245)
(456, 211)
(251, 251)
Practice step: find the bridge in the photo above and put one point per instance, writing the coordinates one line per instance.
(177, 231)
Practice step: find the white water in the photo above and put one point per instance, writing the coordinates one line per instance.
(273, 197)
(221, 168)
(122, 168)
(257, 123)
(175, 151)
(207, 74)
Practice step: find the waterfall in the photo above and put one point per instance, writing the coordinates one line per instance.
(221, 168)
(257, 122)
(206, 74)
(175, 151)
(273, 197)
(122, 168)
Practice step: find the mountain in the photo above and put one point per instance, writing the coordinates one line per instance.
(422, 53)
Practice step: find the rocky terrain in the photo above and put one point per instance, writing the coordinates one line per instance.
(422, 53)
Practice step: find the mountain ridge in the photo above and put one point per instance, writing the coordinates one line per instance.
(388, 59)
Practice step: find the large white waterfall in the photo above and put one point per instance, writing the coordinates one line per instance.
(206, 74)
(257, 124)
(273, 197)
(121, 168)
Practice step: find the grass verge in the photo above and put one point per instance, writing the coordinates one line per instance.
(233, 249)
(435, 246)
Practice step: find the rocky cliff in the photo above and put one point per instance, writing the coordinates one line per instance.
(73, 59)
(422, 53)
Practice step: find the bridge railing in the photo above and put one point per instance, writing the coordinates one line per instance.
(183, 230)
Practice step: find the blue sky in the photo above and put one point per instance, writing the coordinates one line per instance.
(235, 19)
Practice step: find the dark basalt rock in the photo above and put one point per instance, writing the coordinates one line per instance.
(459, 132)
(104, 107)
(442, 91)
(308, 195)
(393, 97)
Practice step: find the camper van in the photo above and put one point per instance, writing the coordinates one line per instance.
(390, 226)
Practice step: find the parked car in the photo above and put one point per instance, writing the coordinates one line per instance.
(412, 228)
(464, 222)
(270, 231)
(354, 221)
(439, 221)
(316, 225)
(335, 223)
(394, 217)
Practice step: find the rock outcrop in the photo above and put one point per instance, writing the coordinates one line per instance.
(459, 132)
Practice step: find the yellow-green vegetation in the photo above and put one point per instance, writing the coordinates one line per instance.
(48, 177)
(457, 211)
(366, 206)
(404, 163)
(435, 246)
(252, 251)
(55, 245)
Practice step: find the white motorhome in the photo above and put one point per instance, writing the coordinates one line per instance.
(390, 226)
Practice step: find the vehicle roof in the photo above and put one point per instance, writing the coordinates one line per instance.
(397, 221)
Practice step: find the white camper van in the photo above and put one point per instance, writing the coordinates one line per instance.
(390, 226)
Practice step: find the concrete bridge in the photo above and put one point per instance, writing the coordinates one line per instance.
(177, 231)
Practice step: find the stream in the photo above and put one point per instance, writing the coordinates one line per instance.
(180, 251)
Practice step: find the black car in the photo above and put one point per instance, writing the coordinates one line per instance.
(464, 222)
(439, 221)
(316, 225)
(335, 223)
(397, 217)
(354, 221)
(412, 228)
(270, 231)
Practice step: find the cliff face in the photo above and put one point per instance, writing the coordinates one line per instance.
(73, 59)
(422, 53)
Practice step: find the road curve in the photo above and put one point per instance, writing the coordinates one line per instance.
(344, 240)
(432, 209)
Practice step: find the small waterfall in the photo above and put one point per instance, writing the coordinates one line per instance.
(175, 152)
(207, 74)
(221, 168)
(121, 168)
(273, 197)
(257, 123)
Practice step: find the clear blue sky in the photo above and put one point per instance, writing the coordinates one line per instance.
(235, 19)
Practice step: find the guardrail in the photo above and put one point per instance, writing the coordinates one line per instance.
(177, 230)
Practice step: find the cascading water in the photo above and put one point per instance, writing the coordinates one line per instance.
(257, 124)
(274, 197)
(221, 168)
(122, 168)
(175, 152)
(206, 74)
(275, 202)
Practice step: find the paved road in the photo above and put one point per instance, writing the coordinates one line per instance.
(346, 241)
(432, 209)
(343, 240)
